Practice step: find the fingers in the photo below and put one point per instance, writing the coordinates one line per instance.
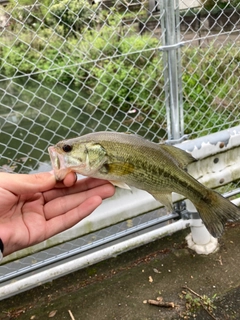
(32, 183)
(27, 183)
(61, 205)
(68, 181)
(79, 186)
(68, 220)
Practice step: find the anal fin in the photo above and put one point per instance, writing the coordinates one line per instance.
(165, 199)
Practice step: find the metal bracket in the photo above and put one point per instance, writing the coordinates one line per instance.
(171, 46)
(179, 140)
(180, 209)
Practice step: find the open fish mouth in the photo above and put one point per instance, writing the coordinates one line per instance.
(58, 164)
(55, 159)
(62, 164)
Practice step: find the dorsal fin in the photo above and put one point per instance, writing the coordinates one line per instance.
(181, 157)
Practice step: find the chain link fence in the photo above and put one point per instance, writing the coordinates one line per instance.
(160, 69)
(72, 67)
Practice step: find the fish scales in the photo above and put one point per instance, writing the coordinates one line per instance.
(126, 159)
(149, 169)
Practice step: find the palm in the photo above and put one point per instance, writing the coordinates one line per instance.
(28, 218)
(32, 217)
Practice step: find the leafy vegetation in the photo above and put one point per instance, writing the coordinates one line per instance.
(209, 4)
(210, 87)
(71, 16)
(194, 301)
(66, 44)
(132, 78)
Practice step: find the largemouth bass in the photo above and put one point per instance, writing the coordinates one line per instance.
(129, 160)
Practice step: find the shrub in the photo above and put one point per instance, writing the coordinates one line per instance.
(131, 79)
(210, 88)
(71, 16)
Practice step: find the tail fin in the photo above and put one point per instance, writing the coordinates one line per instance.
(216, 211)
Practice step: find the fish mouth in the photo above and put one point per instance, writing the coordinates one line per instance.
(55, 161)
(58, 164)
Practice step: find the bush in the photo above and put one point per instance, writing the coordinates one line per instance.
(71, 16)
(124, 72)
(131, 79)
(210, 88)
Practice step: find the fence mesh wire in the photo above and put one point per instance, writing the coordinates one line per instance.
(73, 67)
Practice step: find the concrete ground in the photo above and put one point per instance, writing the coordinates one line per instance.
(190, 286)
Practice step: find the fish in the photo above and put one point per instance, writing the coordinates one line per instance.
(129, 160)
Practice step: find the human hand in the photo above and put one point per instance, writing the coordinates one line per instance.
(34, 207)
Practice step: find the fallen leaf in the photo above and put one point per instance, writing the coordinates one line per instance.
(156, 270)
(150, 279)
(52, 314)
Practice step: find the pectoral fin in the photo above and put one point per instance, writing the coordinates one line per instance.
(120, 184)
(165, 199)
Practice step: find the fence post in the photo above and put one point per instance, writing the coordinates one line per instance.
(172, 67)
(199, 239)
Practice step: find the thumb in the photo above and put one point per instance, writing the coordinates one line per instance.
(27, 183)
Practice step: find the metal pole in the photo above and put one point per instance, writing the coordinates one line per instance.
(172, 67)
(200, 239)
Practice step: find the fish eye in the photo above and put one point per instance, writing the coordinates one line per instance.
(67, 148)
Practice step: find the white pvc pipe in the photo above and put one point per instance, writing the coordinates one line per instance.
(200, 234)
(200, 240)
(89, 259)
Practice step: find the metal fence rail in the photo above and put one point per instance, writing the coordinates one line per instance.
(160, 69)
